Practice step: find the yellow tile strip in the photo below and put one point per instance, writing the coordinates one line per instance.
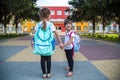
(111, 68)
(27, 56)
(15, 43)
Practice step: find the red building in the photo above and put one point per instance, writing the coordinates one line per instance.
(58, 15)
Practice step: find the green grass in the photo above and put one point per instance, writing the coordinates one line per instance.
(9, 36)
(108, 37)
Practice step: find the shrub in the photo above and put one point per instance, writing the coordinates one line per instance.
(8, 36)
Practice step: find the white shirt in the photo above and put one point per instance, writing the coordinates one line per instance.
(67, 38)
(47, 22)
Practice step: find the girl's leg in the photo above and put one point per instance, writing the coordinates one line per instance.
(43, 59)
(48, 64)
(69, 55)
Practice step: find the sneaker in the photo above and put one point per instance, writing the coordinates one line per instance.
(70, 73)
(49, 75)
(44, 76)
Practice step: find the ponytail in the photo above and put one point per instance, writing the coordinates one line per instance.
(44, 22)
(44, 25)
(44, 13)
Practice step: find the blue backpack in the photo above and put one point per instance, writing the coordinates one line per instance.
(44, 42)
(76, 42)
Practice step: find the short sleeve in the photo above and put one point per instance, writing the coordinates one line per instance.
(73, 34)
(53, 27)
(36, 26)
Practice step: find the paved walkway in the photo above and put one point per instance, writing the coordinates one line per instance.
(97, 60)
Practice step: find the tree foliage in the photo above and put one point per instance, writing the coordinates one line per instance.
(19, 9)
(103, 11)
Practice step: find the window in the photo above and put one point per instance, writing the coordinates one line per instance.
(19, 28)
(90, 28)
(66, 13)
(59, 27)
(59, 12)
(7, 28)
(85, 28)
(52, 12)
(114, 28)
(78, 27)
(97, 28)
(109, 28)
(13, 28)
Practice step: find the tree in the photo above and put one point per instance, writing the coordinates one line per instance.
(5, 14)
(20, 9)
(25, 10)
(103, 11)
(84, 10)
(115, 12)
(95, 11)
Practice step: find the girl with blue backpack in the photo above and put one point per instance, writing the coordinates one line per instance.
(44, 41)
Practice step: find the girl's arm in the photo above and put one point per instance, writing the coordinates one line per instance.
(58, 37)
(69, 42)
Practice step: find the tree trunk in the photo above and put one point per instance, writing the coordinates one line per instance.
(5, 25)
(16, 25)
(103, 23)
(93, 22)
(5, 28)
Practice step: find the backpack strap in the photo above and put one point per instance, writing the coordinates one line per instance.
(70, 36)
(72, 42)
(71, 33)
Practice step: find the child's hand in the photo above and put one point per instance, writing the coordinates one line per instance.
(61, 45)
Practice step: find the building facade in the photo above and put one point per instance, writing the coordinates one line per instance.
(81, 26)
(58, 15)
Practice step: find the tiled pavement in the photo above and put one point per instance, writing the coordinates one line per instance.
(97, 60)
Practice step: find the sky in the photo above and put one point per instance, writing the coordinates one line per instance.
(52, 3)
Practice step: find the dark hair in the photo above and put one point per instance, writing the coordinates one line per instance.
(44, 13)
(67, 21)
